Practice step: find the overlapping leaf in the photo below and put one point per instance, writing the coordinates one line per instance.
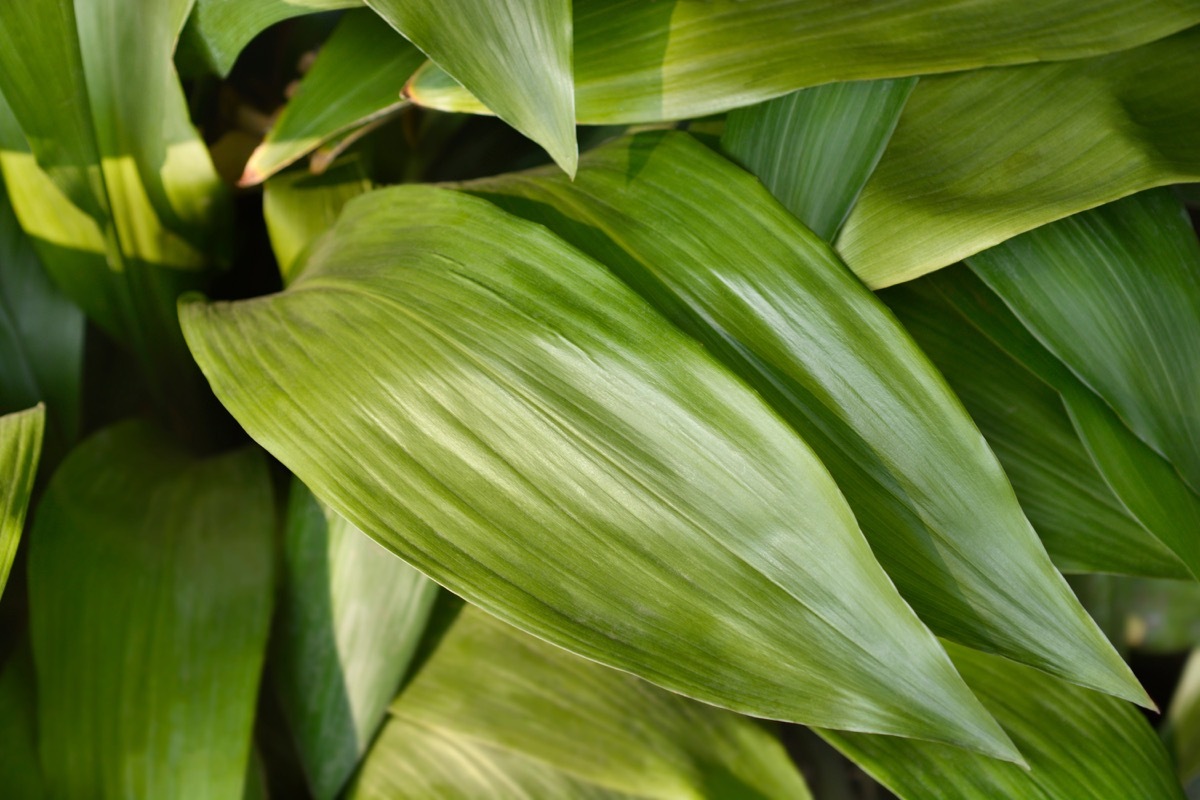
(772, 301)
(20, 450)
(350, 618)
(814, 149)
(527, 431)
(642, 62)
(356, 78)
(1078, 744)
(491, 689)
(980, 157)
(150, 593)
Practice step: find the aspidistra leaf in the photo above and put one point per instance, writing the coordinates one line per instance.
(154, 569)
(980, 157)
(514, 55)
(776, 306)
(528, 432)
(357, 76)
(638, 61)
(20, 450)
(351, 615)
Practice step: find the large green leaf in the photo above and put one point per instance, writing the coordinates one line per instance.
(1079, 745)
(1082, 523)
(350, 618)
(491, 684)
(981, 157)
(356, 78)
(20, 450)
(814, 149)
(104, 168)
(1114, 293)
(514, 55)
(527, 431)
(221, 28)
(772, 301)
(150, 583)
(638, 61)
(41, 336)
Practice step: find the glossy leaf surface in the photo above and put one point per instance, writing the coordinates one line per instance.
(350, 618)
(528, 432)
(155, 570)
(1078, 744)
(980, 157)
(20, 450)
(357, 76)
(774, 304)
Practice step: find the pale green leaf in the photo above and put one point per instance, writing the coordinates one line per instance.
(357, 77)
(20, 450)
(1082, 523)
(527, 431)
(776, 306)
(638, 61)
(299, 207)
(351, 614)
(493, 684)
(1079, 745)
(514, 55)
(223, 27)
(980, 157)
(150, 584)
(814, 149)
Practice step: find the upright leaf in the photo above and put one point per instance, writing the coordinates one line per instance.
(356, 77)
(351, 616)
(528, 432)
(488, 683)
(20, 449)
(1078, 744)
(150, 593)
(514, 55)
(638, 61)
(815, 148)
(774, 304)
(983, 156)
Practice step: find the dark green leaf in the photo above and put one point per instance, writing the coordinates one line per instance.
(20, 772)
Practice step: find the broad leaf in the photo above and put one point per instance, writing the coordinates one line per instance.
(150, 595)
(1082, 523)
(223, 27)
(299, 207)
(351, 615)
(20, 450)
(528, 432)
(489, 683)
(41, 336)
(514, 55)
(1079, 745)
(356, 78)
(980, 157)
(774, 304)
(1114, 293)
(638, 61)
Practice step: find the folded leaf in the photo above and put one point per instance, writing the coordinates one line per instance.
(1079, 745)
(514, 55)
(153, 569)
(643, 62)
(356, 78)
(814, 149)
(1084, 526)
(20, 450)
(528, 432)
(350, 618)
(774, 304)
(980, 157)
(490, 683)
